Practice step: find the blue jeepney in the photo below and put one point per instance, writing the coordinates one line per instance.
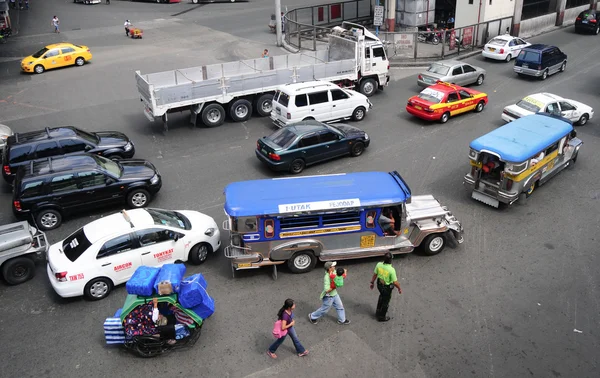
(301, 220)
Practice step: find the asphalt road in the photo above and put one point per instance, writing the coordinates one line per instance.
(506, 303)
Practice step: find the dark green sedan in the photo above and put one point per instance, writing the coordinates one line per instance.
(296, 146)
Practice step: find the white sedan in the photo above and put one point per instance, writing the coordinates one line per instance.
(575, 111)
(106, 252)
(504, 47)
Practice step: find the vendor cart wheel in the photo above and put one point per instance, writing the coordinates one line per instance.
(98, 288)
(79, 61)
(213, 115)
(240, 110)
(18, 270)
(434, 244)
(199, 253)
(302, 262)
(368, 87)
(264, 105)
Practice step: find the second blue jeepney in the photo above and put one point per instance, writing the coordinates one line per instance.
(301, 220)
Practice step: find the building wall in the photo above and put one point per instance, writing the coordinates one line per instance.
(498, 9)
(467, 14)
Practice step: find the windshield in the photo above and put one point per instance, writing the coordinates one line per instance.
(75, 245)
(497, 42)
(438, 69)
(169, 218)
(40, 53)
(528, 105)
(88, 136)
(109, 166)
(282, 137)
(431, 95)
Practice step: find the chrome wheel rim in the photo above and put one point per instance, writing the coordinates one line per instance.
(241, 111)
(39, 69)
(202, 253)
(266, 106)
(98, 289)
(139, 199)
(479, 107)
(583, 120)
(302, 261)
(480, 80)
(368, 87)
(360, 114)
(436, 244)
(214, 116)
(79, 61)
(49, 220)
(531, 188)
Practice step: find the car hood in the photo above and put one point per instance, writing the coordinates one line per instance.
(518, 111)
(137, 169)
(200, 222)
(29, 59)
(350, 131)
(111, 139)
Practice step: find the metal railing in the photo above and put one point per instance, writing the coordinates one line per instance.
(304, 27)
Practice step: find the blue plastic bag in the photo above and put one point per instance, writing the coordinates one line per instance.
(172, 273)
(206, 308)
(142, 281)
(192, 290)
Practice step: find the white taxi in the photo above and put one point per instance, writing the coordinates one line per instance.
(504, 47)
(106, 252)
(575, 111)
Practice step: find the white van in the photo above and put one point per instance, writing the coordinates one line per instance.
(319, 100)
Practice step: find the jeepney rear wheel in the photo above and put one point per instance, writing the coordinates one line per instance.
(530, 190)
(302, 262)
(18, 270)
(445, 117)
(433, 244)
(199, 253)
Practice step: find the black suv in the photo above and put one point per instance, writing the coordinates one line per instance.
(36, 145)
(47, 190)
(588, 21)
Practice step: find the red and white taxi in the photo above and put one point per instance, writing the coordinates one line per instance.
(440, 101)
(106, 252)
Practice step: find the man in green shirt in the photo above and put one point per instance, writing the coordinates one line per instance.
(385, 274)
(329, 297)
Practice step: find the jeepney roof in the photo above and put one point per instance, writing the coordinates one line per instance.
(523, 138)
(314, 193)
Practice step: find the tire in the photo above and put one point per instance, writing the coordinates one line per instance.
(574, 158)
(357, 149)
(39, 69)
(583, 120)
(479, 80)
(368, 87)
(479, 107)
(445, 117)
(359, 113)
(529, 191)
(79, 61)
(195, 1)
(508, 58)
(435, 40)
(115, 157)
(98, 288)
(48, 219)
(213, 115)
(433, 244)
(545, 75)
(302, 262)
(308, 119)
(138, 198)
(199, 253)
(563, 67)
(18, 270)
(297, 166)
(240, 110)
(264, 105)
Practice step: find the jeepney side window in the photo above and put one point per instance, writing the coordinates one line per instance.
(269, 228)
(516, 168)
(552, 148)
(370, 218)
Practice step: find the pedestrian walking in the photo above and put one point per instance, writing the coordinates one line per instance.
(26, 4)
(55, 23)
(385, 274)
(329, 297)
(127, 25)
(286, 316)
(20, 4)
(13, 4)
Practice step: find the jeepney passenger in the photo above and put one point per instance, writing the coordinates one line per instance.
(538, 158)
(387, 222)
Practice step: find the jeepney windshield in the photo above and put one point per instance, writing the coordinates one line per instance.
(431, 95)
(528, 105)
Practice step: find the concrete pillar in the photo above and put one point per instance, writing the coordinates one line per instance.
(593, 4)
(390, 15)
(560, 11)
(517, 17)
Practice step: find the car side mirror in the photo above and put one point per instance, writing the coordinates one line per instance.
(175, 237)
(109, 181)
(88, 147)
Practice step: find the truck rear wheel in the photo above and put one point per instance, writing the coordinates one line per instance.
(264, 105)
(213, 115)
(240, 110)
(368, 87)
(18, 270)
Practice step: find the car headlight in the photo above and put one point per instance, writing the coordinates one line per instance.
(128, 146)
(366, 136)
(209, 232)
(29, 63)
(154, 180)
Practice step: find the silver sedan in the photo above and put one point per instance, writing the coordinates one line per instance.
(451, 71)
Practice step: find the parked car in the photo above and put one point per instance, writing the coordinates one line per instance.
(451, 71)
(296, 146)
(319, 100)
(47, 191)
(22, 148)
(20, 245)
(105, 253)
(440, 101)
(540, 61)
(572, 110)
(504, 47)
(56, 55)
(5, 132)
(588, 21)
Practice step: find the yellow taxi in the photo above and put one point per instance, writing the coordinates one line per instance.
(56, 55)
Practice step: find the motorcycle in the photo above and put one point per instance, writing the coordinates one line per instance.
(4, 34)
(428, 36)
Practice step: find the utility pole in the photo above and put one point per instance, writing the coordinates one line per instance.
(278, 20)
(377, 27)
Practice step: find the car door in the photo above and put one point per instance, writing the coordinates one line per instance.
(342, 105)
(309, 148)
(513, 47)
(93, 186)
(334, 146)
(66, 55)
(553, 108)
(74, 146)
(568, 111)
(453, 103)
(456, 76)
(378, 60)
(521, 44)
(51, 59)
(65, 193)
(118, 258)
(467, 101)
(319, 105)
(157, 246)
(469, 75)
(47, 149)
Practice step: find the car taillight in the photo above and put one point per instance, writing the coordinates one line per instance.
(388, 66)
(501, 51)
(275, 157)
(17, 205)
(7, 169)
(257, 145)
(61, 276)
(420, 77)
(289, 115)
(593, 21)
(509, 184)
(578, 19)
(428, 110)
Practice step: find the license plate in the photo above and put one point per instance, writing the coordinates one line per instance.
(491, 49)
(264, 151)
(584, 22)
(244, 265)
(418, 107)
